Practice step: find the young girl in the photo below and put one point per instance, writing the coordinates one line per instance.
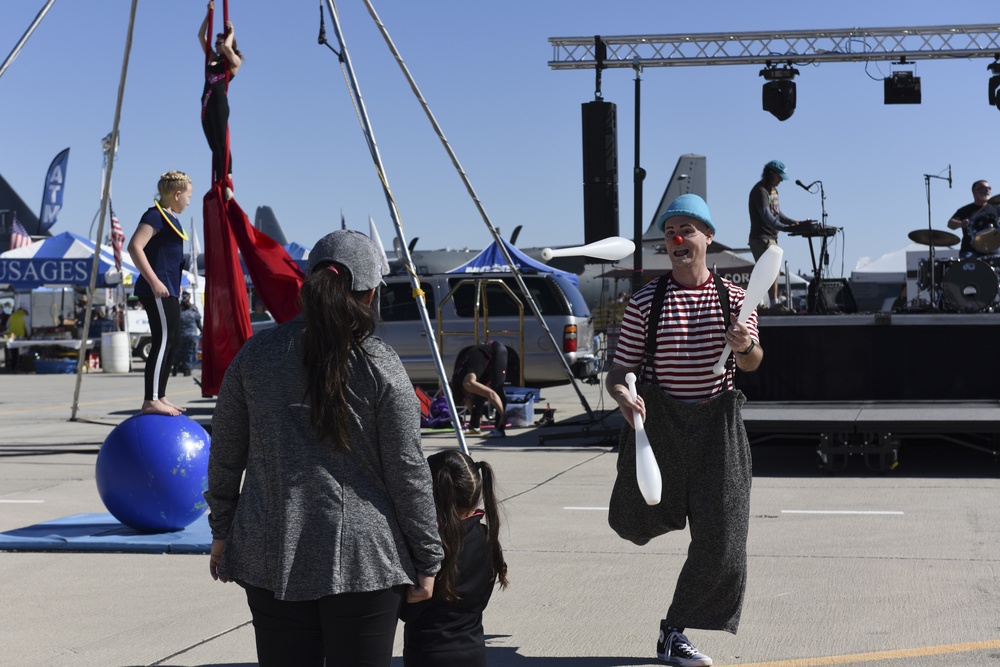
(157, 249)
(215, 100)
(447, 630)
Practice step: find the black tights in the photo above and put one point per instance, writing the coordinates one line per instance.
(164, 316)
(214, 121)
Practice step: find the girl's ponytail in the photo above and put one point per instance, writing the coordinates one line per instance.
(492, 507)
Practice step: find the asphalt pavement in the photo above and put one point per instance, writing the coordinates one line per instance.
(855, 568)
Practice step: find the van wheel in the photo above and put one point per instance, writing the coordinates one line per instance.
(145, 347)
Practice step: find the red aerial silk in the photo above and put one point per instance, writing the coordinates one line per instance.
(275, 275)
(227, 308)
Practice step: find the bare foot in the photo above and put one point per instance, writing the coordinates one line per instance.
(229, 193)
(159, 408)
(171, 405)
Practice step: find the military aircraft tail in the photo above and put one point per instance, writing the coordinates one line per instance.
(266, 221)
(11, 206)
(690, 177)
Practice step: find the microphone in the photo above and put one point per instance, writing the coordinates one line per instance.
(949, 177)
(801, 185)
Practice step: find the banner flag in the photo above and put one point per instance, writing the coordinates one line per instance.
(117, 237)
(52, 198)
(19, 236)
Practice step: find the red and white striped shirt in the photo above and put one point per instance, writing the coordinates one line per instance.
(689, 339)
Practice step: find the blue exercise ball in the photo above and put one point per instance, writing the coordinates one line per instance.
(152, 471)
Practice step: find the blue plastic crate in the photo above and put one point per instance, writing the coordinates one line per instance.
(520, 405)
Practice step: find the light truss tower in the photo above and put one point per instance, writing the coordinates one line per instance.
(798, 46)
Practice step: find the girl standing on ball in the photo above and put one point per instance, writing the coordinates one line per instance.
(320, 496)
(157, 249)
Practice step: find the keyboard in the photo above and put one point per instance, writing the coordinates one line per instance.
(812, 230)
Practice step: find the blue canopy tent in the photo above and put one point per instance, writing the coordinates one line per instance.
(491, 260)
(65, 259)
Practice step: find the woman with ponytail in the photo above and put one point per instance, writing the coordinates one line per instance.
(321, 501)
(448, 629)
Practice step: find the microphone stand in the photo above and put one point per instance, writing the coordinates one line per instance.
(825, 259)
(930, 233)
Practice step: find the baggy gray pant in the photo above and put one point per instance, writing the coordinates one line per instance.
(704, 459)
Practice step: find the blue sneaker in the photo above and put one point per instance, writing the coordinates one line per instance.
(675, 649)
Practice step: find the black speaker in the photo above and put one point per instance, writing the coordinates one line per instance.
(600, 170)
(830, 296)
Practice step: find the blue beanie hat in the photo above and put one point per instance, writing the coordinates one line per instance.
(692, 206)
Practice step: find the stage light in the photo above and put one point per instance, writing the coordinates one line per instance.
(778, 94)
(994, 91)
(902, 88)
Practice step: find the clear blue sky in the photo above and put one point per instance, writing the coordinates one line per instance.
(514, 122)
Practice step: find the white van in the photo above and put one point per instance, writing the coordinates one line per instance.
(451, 305)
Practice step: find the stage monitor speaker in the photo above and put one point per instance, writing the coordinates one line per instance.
(830, 296)
(600, 170)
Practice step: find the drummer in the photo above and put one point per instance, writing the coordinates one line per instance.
(971, 218)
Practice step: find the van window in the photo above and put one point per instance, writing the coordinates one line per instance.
(397, 303)
(546, 295)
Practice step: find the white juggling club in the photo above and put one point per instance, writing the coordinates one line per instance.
(612, 248)
(647, 473)
(764, 273)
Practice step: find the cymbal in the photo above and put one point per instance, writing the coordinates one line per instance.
(994, 200)
(934, 237)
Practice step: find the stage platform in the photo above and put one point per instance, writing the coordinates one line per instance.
(860, 384)
(877, 357)
(874, 431)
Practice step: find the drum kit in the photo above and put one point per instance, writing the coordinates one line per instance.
(969, 285)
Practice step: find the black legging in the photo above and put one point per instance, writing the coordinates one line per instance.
(214, 121)
(350, 629)
(496, 376)
(164, 316)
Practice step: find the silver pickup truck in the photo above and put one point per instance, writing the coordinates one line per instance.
(460, 321)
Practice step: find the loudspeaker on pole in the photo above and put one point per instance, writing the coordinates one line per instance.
(600, 170)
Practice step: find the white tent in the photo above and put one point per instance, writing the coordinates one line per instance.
(890, 267)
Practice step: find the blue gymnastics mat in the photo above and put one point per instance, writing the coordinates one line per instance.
(103, 532)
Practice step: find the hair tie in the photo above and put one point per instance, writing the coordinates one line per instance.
(334, 269)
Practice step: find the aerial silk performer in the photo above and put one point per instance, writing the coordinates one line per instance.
(275, 275)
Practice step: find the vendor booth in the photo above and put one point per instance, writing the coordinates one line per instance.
(53, 271)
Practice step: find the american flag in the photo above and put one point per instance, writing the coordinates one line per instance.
(117, 238)
(19, 236)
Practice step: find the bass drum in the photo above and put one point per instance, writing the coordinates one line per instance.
(969, 286)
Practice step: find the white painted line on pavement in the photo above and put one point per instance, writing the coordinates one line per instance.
(588, 509)
(835, 512)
